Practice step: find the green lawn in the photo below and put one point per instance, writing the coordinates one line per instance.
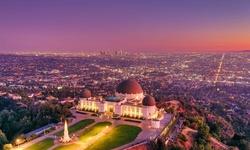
(78, 126)
(93, 131)
(44, 144)
(68, 147)
(120, 135)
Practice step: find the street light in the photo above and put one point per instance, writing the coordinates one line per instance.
(17, 141)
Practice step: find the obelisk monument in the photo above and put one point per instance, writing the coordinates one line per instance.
(66, 137)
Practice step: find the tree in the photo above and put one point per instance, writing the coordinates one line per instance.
(197, 146)
(202, 141)
(208, 147)
(26, 123)
(186, 123)
(65, 111)
(153, 145)
(203, 132)
(9, 121)
(170, 110)
(161, 144)
(175, 147)
(3, 139)
(201, 147)
(183, 137)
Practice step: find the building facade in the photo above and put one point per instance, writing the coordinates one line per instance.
(129, 101)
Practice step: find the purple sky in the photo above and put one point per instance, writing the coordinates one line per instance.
(130, 25)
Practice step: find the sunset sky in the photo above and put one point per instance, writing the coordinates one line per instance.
(129, 25)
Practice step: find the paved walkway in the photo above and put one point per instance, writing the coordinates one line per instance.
(146, 133)
(78, 132)
(51, 134)
(222, 145)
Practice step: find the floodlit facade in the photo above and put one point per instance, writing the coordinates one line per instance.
(129, 101)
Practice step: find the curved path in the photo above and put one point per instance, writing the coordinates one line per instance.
(222, 145)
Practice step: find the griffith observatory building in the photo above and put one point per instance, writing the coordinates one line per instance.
(128, 101)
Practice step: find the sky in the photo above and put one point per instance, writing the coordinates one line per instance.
(128, 25)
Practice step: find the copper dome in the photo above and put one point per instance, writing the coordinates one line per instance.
(85, 94)
(148, 101)
(129, 87)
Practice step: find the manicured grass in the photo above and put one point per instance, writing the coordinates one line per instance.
(120, 135)
(78, 126)
(68, 147)
(44, 144)
(93, 131)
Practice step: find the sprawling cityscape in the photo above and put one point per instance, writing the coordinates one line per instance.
(124, 75)
(211, 88)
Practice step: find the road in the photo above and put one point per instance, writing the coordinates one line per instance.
(219, 69)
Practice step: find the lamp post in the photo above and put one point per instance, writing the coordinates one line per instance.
(17, 141)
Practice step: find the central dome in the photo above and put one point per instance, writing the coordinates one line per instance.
(129, 87)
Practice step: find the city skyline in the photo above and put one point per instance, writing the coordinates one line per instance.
(133, 26)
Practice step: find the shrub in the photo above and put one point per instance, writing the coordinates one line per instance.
(183, 137)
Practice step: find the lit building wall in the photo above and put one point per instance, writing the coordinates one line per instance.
(148, 111)
(89, 105)
(155, 124)
(101, 107)
(118, 108)
(131, 111)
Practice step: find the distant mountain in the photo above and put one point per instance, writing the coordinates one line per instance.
(245, 51)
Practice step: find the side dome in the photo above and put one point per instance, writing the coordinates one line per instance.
(129, 87)
(148, 101)
(85, 94)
